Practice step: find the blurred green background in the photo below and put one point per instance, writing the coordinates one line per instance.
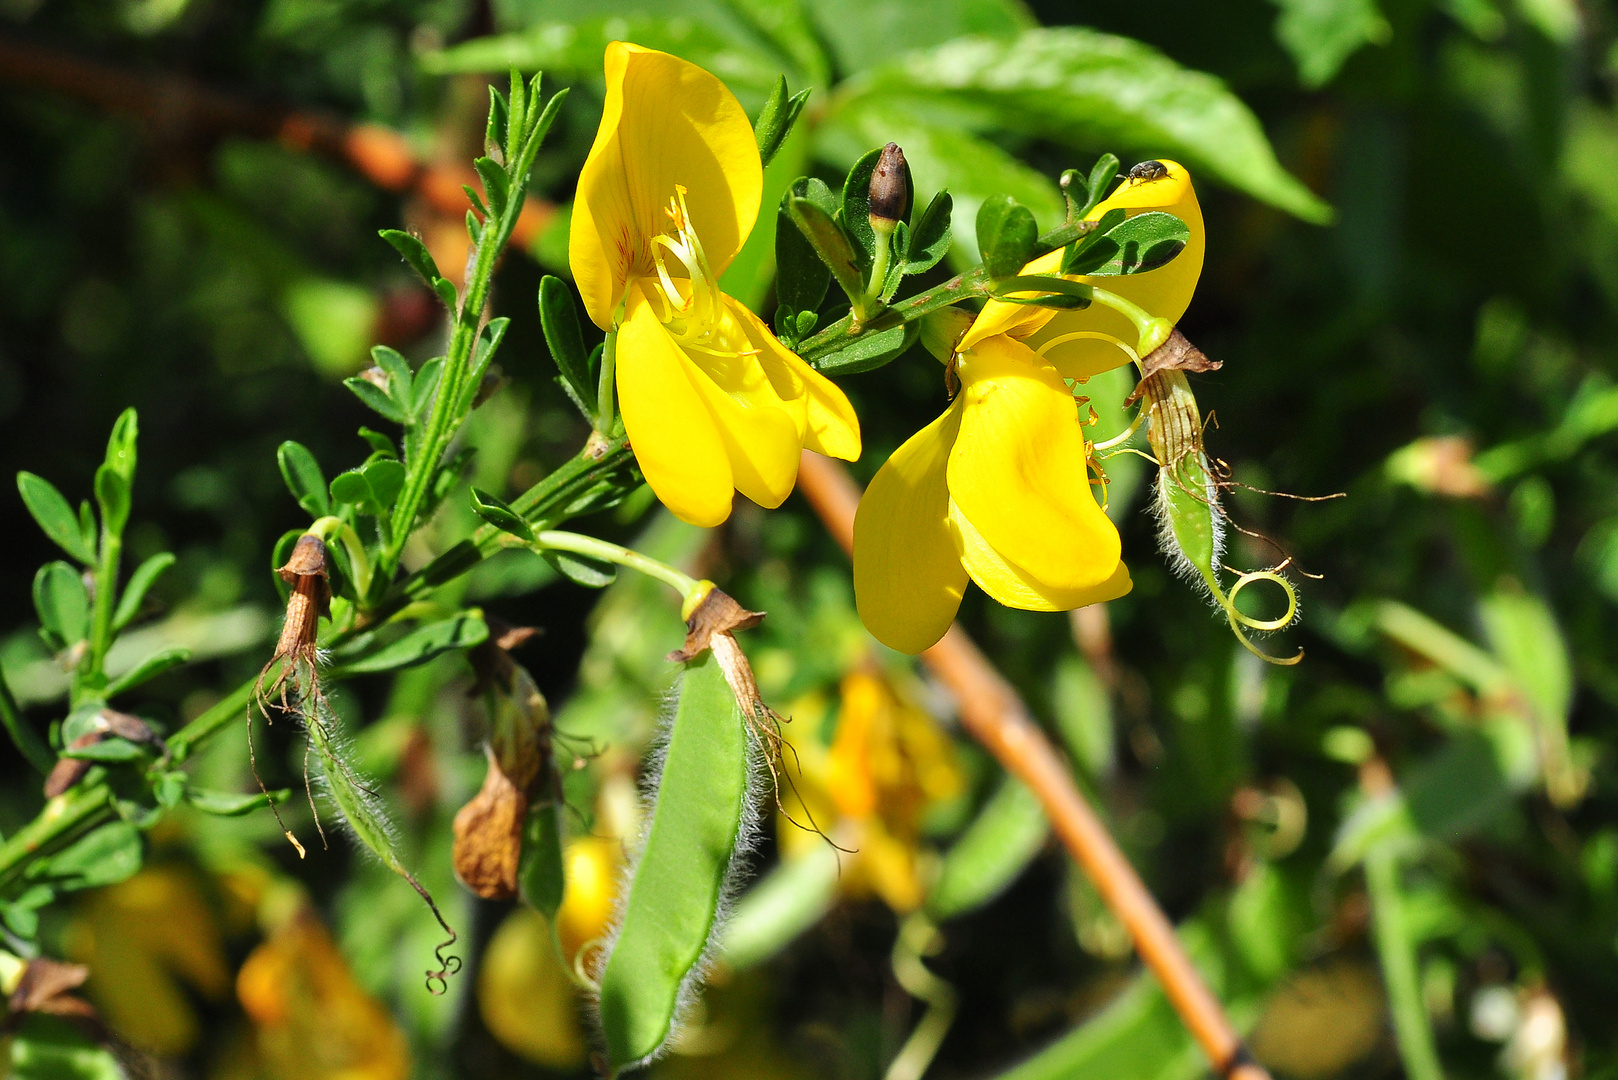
(1414, 827)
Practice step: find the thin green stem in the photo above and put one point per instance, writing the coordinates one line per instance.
(606, 387)
(879, 263)
(92, 678)
(1397, 953)
(606, 551)
(974, 284)
(224, 712)
(63, 819)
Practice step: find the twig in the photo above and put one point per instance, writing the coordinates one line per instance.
(995, 715)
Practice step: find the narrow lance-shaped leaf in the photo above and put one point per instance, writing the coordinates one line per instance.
(140, 582)
(303, 478)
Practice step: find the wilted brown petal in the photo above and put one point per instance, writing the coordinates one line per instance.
(718, 613)
(1175, 354)
(488, 836)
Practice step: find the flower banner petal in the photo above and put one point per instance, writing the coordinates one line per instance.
(674, 437)
(665, 122)
(908, 578)
(1018, 468)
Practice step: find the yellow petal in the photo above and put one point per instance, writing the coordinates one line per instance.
(908, 578)
(1015, 587)
(665, 122)
(1018, 469)
(1164, 292)
(758, 431)
(830, 426)
(676, 443)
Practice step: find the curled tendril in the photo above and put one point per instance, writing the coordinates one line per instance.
(581, 975)
(1240, 623)
(438, 978)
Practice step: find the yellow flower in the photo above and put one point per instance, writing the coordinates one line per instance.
(886, 767)
(711, 401)
(998, 489)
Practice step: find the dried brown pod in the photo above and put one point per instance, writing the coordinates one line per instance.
(488, 835)
(890, 188)
(308, 571)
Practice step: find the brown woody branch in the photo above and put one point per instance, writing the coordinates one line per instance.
(992, 711)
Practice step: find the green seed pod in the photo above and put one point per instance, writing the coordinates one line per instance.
(365, 817)
(700, 826)
(1190, 519)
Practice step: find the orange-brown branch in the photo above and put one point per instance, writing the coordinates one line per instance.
(994, 713)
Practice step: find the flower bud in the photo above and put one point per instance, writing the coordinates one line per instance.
(890, 189)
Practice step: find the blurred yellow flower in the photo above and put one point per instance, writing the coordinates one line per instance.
(590, 867)
(313, 1020)
(711, 401)
(525, 997)
(887, 765)
(142, 939)
(998, 489)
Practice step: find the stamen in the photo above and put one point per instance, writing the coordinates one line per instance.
(695, 320)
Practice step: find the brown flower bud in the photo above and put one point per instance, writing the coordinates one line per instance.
(890, 189)
(69, 771)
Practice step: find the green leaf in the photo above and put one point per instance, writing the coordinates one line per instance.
(81, 721)
(801, 277)
(106, 856)
(539, 869)
(62, 602)
(111, 750)
(50, 1048)
(386, 477)
(446, 294)
(999, 844)
(829, 241)
(930, 240)
(148, 669)
(496, 184)
(398, 371)
(281, 552)
(499, 514)
(494, 131)
(460, 631)
(351, 487)
(303, 478)
(591, 573)
(423, 389)
(775, 120)
(1007, 235)
(1322, 34)
(855, 212)
(375, 398)
(864, 34)
(380, 443)
(168, 788)
(1081, 88)
(415, 253)
(1134, 246)
(869, 351)
(55, 517)
(564, 336)
(574, 49)
(112, 495)
(140, 582)
(227, 804)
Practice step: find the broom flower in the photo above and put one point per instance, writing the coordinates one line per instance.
(711, 401)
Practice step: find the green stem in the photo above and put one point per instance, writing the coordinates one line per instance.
(27, 739)
(445, 417)
(974, 284)
(63, 819)
(606, 551)
(879, 264)
(91, 677)
(227, 710)
(1397, 954)
(606, 388)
